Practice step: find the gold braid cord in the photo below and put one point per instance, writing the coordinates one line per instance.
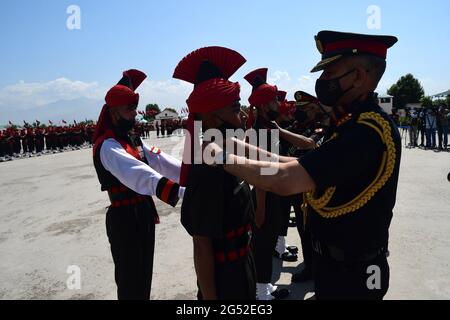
(384, 173)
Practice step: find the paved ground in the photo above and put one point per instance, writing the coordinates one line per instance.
(52, 217)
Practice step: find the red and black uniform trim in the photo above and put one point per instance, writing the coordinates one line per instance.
(167, 191)
(236, 245)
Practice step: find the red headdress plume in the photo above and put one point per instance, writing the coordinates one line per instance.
(208, 69)
(262, 92)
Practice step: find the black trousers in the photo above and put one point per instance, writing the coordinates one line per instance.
(349, 281)
(131, 234)
(235, 280)
(285, 210)
(265, 238)
(422, 136)
(440, 134)
(304, 233)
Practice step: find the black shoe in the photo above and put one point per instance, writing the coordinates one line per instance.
(281, 294)
(292, 249)
(302, 276)
(287, 256)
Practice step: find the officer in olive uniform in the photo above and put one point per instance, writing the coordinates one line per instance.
(351, 179)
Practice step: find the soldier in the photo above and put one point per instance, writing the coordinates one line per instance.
(157, 129)
(2, 146)
(39, 140)
(23, 137)
(217, 209)
(268, 205)
(351, 179)
(282, 250)
(132, 173)
(31, 143)
(17, 145)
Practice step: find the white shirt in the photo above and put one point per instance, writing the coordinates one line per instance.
(137, 175)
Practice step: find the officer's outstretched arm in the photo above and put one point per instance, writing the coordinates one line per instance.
(137, 175)
(256, 153)
(287, 178)
(297, 140)
(284, 179)
(163, 163)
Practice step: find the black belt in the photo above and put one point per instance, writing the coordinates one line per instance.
(340, 255)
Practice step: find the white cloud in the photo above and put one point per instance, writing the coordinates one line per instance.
(285, 82)
(25, 95)
(28, 95)
(168, 93)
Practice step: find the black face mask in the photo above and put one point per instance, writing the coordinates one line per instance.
(227, 126)
(330, 91)
(272, 115)
(125, 125)
(284, 124)
(300, 115)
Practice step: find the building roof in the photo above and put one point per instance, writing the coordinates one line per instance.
(442, 94)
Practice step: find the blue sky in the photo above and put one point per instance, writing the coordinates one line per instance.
(38, 49)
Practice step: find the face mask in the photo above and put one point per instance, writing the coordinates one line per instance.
(330, 91)
(300, 115)
(228, 126)
(125, 125)
(272, 115)
(284, 124)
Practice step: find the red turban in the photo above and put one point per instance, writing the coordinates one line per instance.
(121, 94)
(262, 92)
(208, 69)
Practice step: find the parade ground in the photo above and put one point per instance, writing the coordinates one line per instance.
(52, 221)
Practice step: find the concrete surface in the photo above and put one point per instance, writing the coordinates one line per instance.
(52, 216)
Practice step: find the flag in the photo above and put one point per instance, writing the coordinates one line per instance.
(74, 122)
(63, 121)
(50, 122)
(10, 122)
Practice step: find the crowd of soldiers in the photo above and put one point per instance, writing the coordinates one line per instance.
(168, 127)
(16, 143)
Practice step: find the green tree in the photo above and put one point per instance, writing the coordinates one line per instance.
(153, 107)
(439, 102)
(426, 102)
(407, 90)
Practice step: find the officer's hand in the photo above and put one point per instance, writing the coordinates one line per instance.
(275, 125)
